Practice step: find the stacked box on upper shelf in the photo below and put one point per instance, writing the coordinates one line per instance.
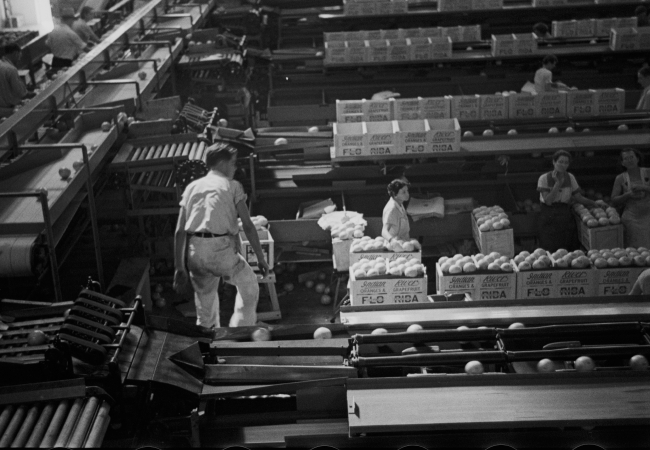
(381, 138)
(349, 111)
(454, 5)
(623, 39)
(357, 52)
(441, 47)
(398, 50)
(420, 48)
(377, 110)
(335, 52)
(610, 101)
(581, 103)
(466, 107)
(550, 104)
(503, 45)
(349, 139)
(493, 107)
(436, 107)
(586, 28)
(521, 106)
(604, 26)
(377, 50)
(408, 108)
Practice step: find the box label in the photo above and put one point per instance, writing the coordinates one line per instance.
(521, 106)
(408, 109)
(435, 108)
(465, 107)
(550, 104)
(494, 107)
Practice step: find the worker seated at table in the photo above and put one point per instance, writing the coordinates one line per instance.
(394, 218)
(541, 31)
(12, 88)
(544, 76)
(81, 27)
(64, 43)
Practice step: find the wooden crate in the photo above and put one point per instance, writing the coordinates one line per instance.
(598, 238)
(502, 241)
(465, 283)
(266, 240)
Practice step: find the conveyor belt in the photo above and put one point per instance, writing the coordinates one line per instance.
(56, 414)
(501, 312)
(21, 219)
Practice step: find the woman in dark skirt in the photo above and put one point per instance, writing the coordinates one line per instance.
(558, 190)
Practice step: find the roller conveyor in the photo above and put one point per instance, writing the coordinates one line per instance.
(54, 414)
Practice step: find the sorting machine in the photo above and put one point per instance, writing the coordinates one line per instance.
(362, 389)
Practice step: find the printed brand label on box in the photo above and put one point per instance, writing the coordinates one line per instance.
(389, 256)
(550, 104)
(610, 101)
(408, 109)
(377, 110)
(494, 107)
(465, 107)
(521, 106)
(436, 108)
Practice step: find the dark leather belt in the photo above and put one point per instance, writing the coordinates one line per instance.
(208, 235)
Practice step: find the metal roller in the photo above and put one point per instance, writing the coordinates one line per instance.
(91, 325)
(94, 315)
(83, 424)
(150, 151)
(136, 154)
(100, 307)
(195, 146)
(41, 425)
(27, 426)
(56, 424)
(200, 152)
(14, 425)
(69, 424)
(5, 417)
(172, 150)
(100, 425)
(158, 151)
(165, 151)
(186, 149)
(83, 333)
(101, 298)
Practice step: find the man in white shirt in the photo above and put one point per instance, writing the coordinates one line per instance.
(81, 27)
(12, 88)
(544, 76)
(64, 43)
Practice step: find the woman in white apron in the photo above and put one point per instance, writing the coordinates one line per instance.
(632, 189)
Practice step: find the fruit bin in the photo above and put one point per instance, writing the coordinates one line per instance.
(479, 285)
(502, 241)
(610, 236)
(388, 290)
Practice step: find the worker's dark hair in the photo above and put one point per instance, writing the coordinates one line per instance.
(549, 59)
(637, 153)
(85, 11)
(219, 152)
(640, 10)
(644, 72)
(561, 153)
(540, 28)
(10, 48)
(395, 186)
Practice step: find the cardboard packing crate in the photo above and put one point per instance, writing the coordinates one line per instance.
(564, 28)
(388, 290)
(534, 284)
(414, 137)
(617, 280)
(466, 107)
(337, 36)
(604, 26)
(398, 50)
(390, 256)
(377, 50)
(521, 106)
(454, 5)
(408, 108)
(420, 48)
(503, 45)
(266, 240)
(598, 238)
(445, 135)
(550, 104)
(381, 138)
(480, 285)
(586, 28)
(377, 110)
(370, 35)
(349, 111)
(410, 33)
(493, 107)
(357, 52)
(623, 39)
(431, 32)
(391, 34)
(441, 47)
(436, 107)
(610, 101)
(349, 139)
(357, 8)
(335, 52)
(525, 44)
(581, 103)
